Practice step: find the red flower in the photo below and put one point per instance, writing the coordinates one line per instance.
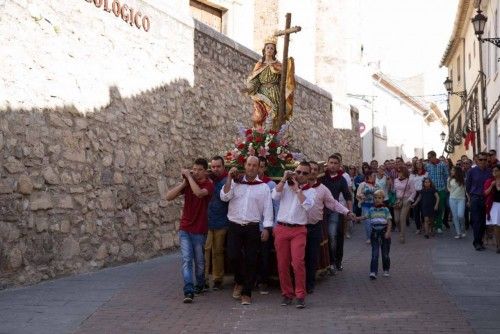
(248, 132)
(228, 156)
(241, 160)
(240, 146)
(259, 139)
(273, 132)
(273, 144)
(250, 138)
(289, 157)
(272, 160)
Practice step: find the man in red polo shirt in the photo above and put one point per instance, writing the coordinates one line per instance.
(197, 190)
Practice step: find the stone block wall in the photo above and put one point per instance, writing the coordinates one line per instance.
(82, 189)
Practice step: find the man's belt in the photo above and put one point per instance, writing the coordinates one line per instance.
(289, 225)
(245, 223)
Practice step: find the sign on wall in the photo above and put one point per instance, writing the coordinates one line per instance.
(128, 14)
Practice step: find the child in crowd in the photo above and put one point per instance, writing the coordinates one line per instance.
(379, 218)
(429, 199)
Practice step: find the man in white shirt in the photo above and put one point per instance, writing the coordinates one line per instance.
(296, 198)
(249, 200)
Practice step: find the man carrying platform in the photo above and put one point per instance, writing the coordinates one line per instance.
(249, 200)
(296, 198)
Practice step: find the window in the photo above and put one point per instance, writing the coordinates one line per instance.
(458, 69)
(206, 13)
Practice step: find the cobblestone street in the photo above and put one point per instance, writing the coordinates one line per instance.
(440, 285)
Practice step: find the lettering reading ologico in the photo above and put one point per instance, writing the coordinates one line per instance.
(128, 14)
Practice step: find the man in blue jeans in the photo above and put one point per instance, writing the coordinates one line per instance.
(197, 190)
(337, 184)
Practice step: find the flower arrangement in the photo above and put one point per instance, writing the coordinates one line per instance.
(261, 143)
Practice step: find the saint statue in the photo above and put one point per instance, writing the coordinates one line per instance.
(263, 86)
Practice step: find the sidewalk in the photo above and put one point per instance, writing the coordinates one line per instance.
(424, 294)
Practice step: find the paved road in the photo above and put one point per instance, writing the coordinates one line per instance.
(440, 285)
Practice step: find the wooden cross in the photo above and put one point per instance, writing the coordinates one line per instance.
(286, 33)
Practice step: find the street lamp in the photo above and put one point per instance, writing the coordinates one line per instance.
(448, 84)
(443, 136)
(479, 22)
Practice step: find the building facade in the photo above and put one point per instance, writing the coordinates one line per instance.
(473, 71)
(395, 123)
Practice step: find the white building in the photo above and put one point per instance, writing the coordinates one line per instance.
(394, 123)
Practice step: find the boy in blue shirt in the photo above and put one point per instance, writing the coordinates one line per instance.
(380, 217)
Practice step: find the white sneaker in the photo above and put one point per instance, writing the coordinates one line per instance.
(463, 235)
(386, 274)
(457, 236)
(373, 276)
(417, 232)
(439, 231)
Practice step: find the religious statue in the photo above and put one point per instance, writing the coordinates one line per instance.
(263, 86)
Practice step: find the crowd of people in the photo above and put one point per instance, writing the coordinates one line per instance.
(259, 224)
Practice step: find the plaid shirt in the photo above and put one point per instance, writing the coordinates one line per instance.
(438, 174)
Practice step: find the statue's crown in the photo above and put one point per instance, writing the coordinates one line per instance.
(271, 40)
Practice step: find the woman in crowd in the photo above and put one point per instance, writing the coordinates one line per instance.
(417, 177)
(358, 179)
(365, 199)
(456, 188)
(492, 193)
(383, 182)
(446, 216)
(405, 194)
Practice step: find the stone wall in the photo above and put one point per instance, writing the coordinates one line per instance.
(83, 175)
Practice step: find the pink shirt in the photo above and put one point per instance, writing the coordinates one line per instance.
(399, 187)
(323, 198)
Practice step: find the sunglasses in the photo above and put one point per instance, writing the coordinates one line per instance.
(298, 172)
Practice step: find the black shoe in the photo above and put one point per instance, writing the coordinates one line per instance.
(286, 301)
(478, 248)
(331, 270)
(310, 291)
(198, 290)
(482, 247)
(217, 286)
(300, 303)
(339, 267)
(188, 298)
(206, 287)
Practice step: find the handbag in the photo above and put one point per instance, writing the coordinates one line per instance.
(399, 202)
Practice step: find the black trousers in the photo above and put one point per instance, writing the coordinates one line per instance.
(243, 245)
(313, 243)
(266, 248)
(478, 218)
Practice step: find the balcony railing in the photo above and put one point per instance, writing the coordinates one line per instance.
(465, 119)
